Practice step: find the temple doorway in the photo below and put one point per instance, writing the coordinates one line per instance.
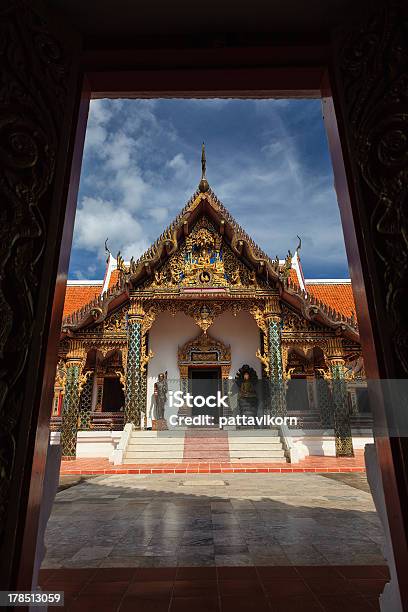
(296, 395)
(205, 382)
(113, 396)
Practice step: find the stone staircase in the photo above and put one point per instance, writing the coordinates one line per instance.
(205, 445)
(256, 446)
(155, 447)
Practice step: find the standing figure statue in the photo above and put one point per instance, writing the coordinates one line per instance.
(246, 380)
(160, 394)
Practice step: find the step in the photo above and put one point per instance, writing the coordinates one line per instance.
(269, 454)
(146, 448)
(254, 442)
(253, 446)
(152, 460)
(253, 433)
(257, 460)
(157, 441)
(176, 456)
(157, 435)
(256, 448)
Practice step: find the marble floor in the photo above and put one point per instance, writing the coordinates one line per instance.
(170, 520)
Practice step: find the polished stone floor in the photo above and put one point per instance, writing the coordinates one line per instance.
(213, 519)
(345, 588)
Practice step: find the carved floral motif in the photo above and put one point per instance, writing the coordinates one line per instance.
(374, 77)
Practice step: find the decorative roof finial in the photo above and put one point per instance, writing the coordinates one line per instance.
(299, 245)
(107, 250)
(203, 185)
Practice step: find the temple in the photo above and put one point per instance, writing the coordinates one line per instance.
(205, 302)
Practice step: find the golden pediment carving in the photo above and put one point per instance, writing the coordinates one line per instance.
(204, 260)
(204, 349)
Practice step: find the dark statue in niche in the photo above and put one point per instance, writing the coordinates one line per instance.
(246, 379)
(160, 396)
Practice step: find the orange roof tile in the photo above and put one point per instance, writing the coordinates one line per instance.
(336, 295)
(114, 277)
(77, 296)
(294, 277)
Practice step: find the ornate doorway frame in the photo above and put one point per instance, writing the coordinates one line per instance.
(205, 347)
(66, 76)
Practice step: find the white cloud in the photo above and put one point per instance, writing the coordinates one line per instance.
(159, 214)
(131, 189)
(99, 114)
(98, 219)
(118, 151)
(178, 163)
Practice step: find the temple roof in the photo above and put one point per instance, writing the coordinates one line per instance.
(78, 294)
(331, 303)
(337, 294)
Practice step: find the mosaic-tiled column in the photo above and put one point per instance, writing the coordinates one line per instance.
(70, 407)
(143, 374)
(133, 365)
(324, 402)
(341, 420)
(273, 319)
(353, 401)
(85, 403)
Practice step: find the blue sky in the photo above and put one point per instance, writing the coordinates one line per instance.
(267, 161)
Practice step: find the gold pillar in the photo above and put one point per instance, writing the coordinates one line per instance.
(99, 380)
(311, 391)
(225, 388)
(185, 410)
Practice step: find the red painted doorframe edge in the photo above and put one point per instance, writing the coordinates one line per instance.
(293, 80)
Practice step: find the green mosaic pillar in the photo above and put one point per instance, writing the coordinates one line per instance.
(325, 403)
(70, 407)
(277, 384)
(134, 383)
(341, 417)
(143, 375)
(85, 403)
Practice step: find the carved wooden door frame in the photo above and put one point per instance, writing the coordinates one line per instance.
(67, 80)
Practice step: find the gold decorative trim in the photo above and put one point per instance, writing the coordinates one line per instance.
(145, 356)
(204, 350)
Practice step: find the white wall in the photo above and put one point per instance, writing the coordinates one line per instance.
(242, 334)
(168, 333)
(92, 444)
(97, 443)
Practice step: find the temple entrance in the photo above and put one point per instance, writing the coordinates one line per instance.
(296, 395)
(113, 396)
(205, 382)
